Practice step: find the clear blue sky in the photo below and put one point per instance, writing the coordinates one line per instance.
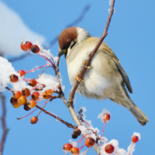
(131, 36)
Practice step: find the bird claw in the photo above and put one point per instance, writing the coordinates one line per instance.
(88, 67)
(77, 78)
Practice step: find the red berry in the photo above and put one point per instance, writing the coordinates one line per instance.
(35, 95)
(13, 78)
(26, 92)
(67, 147)
(34, 120)
(17, 94)
(32, 104)
(21, 72)
(135, 139)
(75, 150)
(35, 49)
(106, 117)
(89, 142)
(25, 46)
(109, 148)
(32, 82)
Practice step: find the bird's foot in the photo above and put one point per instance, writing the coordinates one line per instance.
(78, 78)
(87, 67)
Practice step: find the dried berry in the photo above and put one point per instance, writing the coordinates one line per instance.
(76, 133)
(13, 78)
(26, 107)
(35, 49)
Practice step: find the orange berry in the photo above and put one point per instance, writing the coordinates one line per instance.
(21, 72)
(32, 104)
(13, 78)
(106, 117)
(15, 102)
(75, 150)
(26, 92)
(47, 94)
(21, 100)
(135, 139)
(34, 120)
(109, 148)
(89, 142)
(32, 82)
(67, 147)
(25, 46)
(35, 49)
(35, 95)
(17, 94)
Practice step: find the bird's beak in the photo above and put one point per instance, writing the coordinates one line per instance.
(62, 52)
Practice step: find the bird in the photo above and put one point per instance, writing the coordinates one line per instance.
(105, 78)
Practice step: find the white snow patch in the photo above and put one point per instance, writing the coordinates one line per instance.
(13, 31)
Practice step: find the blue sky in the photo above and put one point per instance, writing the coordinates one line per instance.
(131, 36)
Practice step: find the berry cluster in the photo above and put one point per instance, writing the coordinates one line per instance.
(32, 91)
(91, 137)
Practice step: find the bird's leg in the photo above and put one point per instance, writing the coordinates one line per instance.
(85, 65)
(78, 78)
(70, 103)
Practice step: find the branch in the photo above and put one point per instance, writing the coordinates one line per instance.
(56, 117)
(73, 23)
(87, 62)
(3, 122)
(20, 57)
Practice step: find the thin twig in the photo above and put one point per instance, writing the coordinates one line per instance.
(20, 57)
(56, 117)
(73, 23)
(87, 62)
(4, 124)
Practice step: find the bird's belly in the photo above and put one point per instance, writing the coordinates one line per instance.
(94, 84)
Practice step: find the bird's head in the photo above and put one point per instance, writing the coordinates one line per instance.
(69, 37)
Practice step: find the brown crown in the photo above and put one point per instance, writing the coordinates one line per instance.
(66, 37)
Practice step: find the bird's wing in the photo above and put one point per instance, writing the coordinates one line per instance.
(124, 75)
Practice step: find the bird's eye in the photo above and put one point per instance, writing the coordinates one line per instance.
(72, 44)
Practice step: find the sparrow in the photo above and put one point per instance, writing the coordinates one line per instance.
(105, 78)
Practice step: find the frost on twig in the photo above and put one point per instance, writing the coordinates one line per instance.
(93, 137)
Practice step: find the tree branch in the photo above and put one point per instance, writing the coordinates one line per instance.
(73, 23)
(3, 123)
(56, 117)
(87, 62)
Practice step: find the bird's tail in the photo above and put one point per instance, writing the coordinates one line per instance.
(129, 104)
(140, 116)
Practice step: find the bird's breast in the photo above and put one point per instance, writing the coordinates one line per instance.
(94, 83)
